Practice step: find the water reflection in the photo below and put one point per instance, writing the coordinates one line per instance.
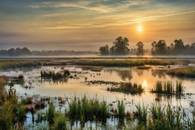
(78, 87)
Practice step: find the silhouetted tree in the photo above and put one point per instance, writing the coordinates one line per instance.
(120, 46)
(159, 47)
(140, 48)
(15, 52)
(104, 50)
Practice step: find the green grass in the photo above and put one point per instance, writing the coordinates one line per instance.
(159, 117)
(88, 110)
(127, 88)
(141, 114)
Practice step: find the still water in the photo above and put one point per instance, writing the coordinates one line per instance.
(79, 87)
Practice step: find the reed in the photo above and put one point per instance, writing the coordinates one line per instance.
(121, 111)
(167, 88)
(141, 114)
(55, 76)
(88, 110)
(127, 88)
(51, 114)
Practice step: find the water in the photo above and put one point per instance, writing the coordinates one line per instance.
(79, 88)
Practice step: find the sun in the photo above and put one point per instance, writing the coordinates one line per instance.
(139, 28)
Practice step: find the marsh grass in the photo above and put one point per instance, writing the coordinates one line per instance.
(51, 114)
(159, 117)
(60, 122)
(186, 72)
(127, 88)
(121, 63)
(167, 88)
(20, 63)
(55, 76)
(141, 114)
(12, 113)
(88, 110)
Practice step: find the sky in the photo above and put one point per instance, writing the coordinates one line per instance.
(89, 24)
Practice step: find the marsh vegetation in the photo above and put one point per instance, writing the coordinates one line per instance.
(98, 95)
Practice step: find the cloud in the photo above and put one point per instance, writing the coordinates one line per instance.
(80, 5)
(6, 34)
(119, 20)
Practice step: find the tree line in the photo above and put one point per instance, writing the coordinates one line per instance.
(15, 52)
(27, 51)
(121, 47)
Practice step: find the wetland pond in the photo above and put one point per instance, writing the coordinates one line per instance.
(93, 83)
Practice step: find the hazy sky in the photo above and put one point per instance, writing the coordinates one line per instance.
(88, 24)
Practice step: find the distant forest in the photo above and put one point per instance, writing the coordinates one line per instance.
(27, 52)
(121, 47)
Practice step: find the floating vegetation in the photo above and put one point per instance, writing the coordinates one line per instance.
(167, 88)
(122, 62)
(127, 88)
(187, 72)
(102, 82)
(17, 80)
(55, 76)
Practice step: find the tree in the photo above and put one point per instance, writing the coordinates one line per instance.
(159, 47)
(104, 50)
(179, 45)
(120, 46)
(140, 48)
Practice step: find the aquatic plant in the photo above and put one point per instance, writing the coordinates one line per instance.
(121, 111)
(167, 88)
(141, 114)
(60, 122)
(88, 110)
(51, 114)
(187, 72)
(127, 88)
(55, 76)
(121, 62)
(179, 87)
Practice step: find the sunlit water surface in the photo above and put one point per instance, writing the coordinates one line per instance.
(77, 87)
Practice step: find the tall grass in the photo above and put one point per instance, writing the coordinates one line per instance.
(51, 114)
(88, 110)
(159, 117)
(141, 114)
(60, 122)
(121, 111)
(168, 88)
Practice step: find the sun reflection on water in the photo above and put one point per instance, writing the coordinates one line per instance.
(145, 84)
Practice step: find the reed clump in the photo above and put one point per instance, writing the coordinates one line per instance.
(167, 88)
(88, 110)
(127, 88)
(159, 117)
(55, 76)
